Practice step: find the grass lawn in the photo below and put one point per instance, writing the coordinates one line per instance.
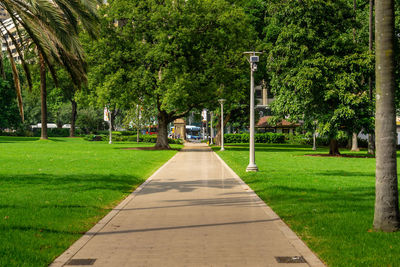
(51, 192)
(328, 202)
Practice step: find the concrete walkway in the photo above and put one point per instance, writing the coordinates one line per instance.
(194, 211)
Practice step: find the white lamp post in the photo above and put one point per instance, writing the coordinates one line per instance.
(253, 59)
(211, 128)
(221, 101)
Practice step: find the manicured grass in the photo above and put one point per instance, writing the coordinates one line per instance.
(328, 202)
(51, 192)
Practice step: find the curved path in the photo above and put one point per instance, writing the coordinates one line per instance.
(194, 211)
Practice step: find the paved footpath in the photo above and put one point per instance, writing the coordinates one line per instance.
(194, 211)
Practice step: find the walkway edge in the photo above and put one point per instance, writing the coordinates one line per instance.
(81, 242)
(294, 240)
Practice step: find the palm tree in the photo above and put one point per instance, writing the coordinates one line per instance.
(52, 27)
(386, 216)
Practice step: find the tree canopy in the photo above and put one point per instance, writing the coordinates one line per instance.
(178, 55)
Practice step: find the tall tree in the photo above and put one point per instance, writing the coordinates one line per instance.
(52, 26)
(317, 70)
(387, 216)
(176, 54)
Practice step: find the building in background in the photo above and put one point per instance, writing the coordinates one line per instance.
(3, 14)
(10, 28)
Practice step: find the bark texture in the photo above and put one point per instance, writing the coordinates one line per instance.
(74, 106)
(43, 97)
(333, 147)
(386, 217)
(162, 135)
(354, 142)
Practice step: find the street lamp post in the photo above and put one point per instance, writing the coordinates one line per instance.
(253, 60)
(211, 128)
(221, 101)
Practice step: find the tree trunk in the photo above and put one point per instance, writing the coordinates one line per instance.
(333, 147)
(162, 135)
(371, 136)
(354, 143)
(314, 147)
(43, 97)
(73, 118)
(371, 144)
(386, 217)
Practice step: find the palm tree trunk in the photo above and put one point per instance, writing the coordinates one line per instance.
(386, 216)
(73, 118)
(43, 96)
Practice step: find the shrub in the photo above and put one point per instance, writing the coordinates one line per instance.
(261, 138)
(93, 137)
(52, 132)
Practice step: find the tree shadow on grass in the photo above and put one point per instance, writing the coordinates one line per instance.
(71, 182)
(304, 202)
(15, 139)
(347, 174)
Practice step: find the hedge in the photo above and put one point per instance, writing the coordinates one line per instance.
(271, 138)
(129, 138)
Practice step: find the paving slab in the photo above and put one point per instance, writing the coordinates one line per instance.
(194, 211)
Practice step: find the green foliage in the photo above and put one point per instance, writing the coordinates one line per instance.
(119, 137)
(90, 120)
(9, 117)
(9, 114)
(175, 55)
(265, 138)
(317, 70)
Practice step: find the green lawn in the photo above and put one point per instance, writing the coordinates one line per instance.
(51, 192)
(328, 202)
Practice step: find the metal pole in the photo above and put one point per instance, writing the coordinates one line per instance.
(222, 123)
(252, 165)
(110, 142)
(211, 128)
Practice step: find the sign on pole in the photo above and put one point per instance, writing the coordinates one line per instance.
(106, 114)
(204, 115)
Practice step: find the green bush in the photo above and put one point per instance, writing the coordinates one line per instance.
(128, 138)
(56, 132)
(261, 138)
(299, 139)
(94, 137)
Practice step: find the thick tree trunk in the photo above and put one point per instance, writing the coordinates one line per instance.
(73, 118)
(354, 142)
(162, 135)
(333, 147)
(386, 216)
(43, 97)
